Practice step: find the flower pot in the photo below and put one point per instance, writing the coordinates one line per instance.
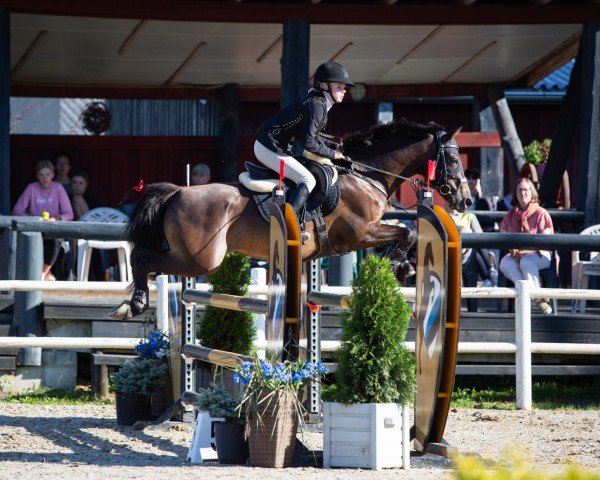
(366, 435)
(272, 426)
(232, 445)
(132, 407)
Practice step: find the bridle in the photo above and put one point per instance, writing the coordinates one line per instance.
(443, 171)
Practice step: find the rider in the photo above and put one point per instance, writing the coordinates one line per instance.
(297, 130)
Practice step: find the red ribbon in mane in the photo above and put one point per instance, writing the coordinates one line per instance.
(140, 186)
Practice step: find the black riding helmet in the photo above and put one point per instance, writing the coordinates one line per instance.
(332, 72)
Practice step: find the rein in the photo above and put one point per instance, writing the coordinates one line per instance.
(442, 172)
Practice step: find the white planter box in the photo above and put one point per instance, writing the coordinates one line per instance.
(370, 435)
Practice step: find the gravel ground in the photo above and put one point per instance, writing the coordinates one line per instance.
(84, 442)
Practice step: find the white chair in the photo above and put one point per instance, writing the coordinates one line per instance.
(582, 270)
(84, 247)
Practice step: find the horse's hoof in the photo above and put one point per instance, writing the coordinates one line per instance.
(122, 312)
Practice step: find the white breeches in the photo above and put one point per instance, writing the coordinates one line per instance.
(293, 169)
(528, 268)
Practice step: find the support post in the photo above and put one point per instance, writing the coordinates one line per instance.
(341, 270)
(491, 164)
(188, 337)
(589, 171)
(227, 137)
(511, 143)
(313, 337)
(294, 60)
(26, 316)
(563, 137)
(523, 340)
(4, 111)
(162, 304)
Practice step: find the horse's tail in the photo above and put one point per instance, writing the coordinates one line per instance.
(145, 226)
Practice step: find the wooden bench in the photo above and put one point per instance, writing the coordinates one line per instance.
(100, 363)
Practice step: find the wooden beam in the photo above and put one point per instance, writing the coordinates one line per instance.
(548, 64)
(470, 60)
(185, 63)
(136, 30)
(247, 93)
(422, 43)
(30, 49)
(269, 49)
(356, 14)
(478, 140)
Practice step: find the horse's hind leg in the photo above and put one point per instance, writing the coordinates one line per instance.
(144, 262)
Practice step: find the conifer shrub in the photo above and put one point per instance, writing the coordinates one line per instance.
(373, 364)
(227, 329)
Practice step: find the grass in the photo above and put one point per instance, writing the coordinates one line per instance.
(48, 396)
(549, 393)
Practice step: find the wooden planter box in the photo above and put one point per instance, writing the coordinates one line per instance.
(370, 435)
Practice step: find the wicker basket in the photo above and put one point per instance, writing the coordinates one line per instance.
(272, 430)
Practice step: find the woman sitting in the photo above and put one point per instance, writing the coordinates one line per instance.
(527, 216)
(45, 198)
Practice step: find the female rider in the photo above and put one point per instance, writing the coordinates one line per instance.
(297, 130)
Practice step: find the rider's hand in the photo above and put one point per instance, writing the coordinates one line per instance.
(338, 155)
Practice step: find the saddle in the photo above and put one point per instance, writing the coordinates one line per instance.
(322, 201)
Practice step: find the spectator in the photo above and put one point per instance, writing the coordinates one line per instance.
(40, 197)
(79, 200)
(63, 167)
(467, 222)
(527, 216)
(479, 201)
(200, 174)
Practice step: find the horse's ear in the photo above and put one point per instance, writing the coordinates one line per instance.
(447, 136)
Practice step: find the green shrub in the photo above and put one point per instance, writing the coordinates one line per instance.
(219, 403)
(373, 364)
(141, 377)
(226, 329)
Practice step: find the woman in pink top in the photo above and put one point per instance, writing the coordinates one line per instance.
(45, 196)
(526, 216)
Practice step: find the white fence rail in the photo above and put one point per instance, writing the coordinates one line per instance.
(523, 348)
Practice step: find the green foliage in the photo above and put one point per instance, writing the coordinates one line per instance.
(219, 403)
(549, 393)
(226, 329)
(537, 152)
(515, 466)
(373, 364)
(142, 376)
(51, 396)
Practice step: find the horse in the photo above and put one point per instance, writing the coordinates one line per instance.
(188, 230)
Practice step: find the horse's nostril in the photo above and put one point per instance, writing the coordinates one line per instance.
(468, 202)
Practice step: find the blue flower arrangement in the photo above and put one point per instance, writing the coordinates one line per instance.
(280, 375)
(155, 346)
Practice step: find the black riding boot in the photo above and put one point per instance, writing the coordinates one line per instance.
(297, 201)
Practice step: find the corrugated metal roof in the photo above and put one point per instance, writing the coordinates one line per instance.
(558, 79)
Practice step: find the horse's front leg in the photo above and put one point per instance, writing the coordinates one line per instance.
(382, 233)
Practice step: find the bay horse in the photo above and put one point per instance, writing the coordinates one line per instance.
(188, 230)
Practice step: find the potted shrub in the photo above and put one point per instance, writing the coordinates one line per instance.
(133, 385)
(272, 407)
(156, 347)
(537, 154)
(223, 329)
(230, 435)
(366, 422)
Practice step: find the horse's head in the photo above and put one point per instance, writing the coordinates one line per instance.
(450, 179)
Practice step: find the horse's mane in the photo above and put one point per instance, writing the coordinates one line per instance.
(361, 142)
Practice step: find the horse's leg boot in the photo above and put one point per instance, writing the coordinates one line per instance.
(297, 202)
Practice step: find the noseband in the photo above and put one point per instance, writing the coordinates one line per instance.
(443, 171)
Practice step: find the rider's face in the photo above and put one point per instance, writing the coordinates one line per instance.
(338, 90)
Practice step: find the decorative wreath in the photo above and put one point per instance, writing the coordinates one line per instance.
(96, 118)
